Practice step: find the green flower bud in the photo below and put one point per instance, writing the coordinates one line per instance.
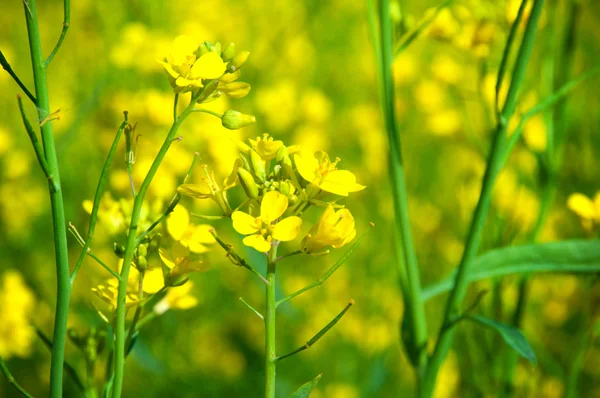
(202, 49)
(234, 120)
(286, 188)
(258, 166)
(142, 250)
(217, 48)
(247, 182)
(236, 89)
(142, 263)
(208, 90)
(119, 250)
(238, 61)
(229, 52)
(179, 281)
(208, 45)
(281, 154)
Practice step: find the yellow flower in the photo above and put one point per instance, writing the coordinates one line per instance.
(17, 305)
(587, 210)
(178, 261)
(177, 299)
(335, 228)
(266, 147)
(108, 292)
(320, 171)
(195, 237)
(264, 229)
(186, 70)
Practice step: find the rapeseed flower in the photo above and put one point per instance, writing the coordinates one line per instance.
(320, 171)
(334, 228)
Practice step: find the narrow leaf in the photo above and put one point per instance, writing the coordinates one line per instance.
(306, 389)
(513, 336)
(571, 256)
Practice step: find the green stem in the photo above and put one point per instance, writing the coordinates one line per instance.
(63, 33)
(97, 198)
(216, 114)
(120, 336)
(6, 66)
(411, 285)
(12, 381)
(494, 166)
(270, 351)
(58, 215)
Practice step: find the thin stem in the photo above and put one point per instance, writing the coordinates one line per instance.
(216, 114)
(320, 334)
(172, 204)
(63, 33)
(12, 381)
(63, 293)
(119, 353)
(175, 105)
(411, 285)
(236, 259)
(270, 350)
(6, 66)
(136, 316)
(96, 206)
(288, 255)
(495, 163)
(37, 147)
(88, 251)
(251, 308)
(131, 183)
(326, 275)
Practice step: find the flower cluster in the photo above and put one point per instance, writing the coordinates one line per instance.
(281, 183)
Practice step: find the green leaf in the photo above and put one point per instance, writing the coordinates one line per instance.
(306, 389)
(513, 336)
(571, 256)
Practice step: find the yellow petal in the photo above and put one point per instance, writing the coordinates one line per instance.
(169, 69)
(153, 280)
(195, 191)
(340, 182)
(287, 229)
(183, 82)
(257, 242)
(244, 223)
(272, 207)
(166, 257)
(184, 47)
(307, 165)
(208, 66)
(581, 205)
(178, 222)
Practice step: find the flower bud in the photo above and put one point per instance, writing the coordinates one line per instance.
(236, 89)
(247, 182)
(217, 48)
(131, 141)
(238, 61)
(208, 90)
(119, 250)
(142, 250)
(234, 120)
(286, 188)
(229, 52)
(202, 49)
(258, 166)
(141, 263)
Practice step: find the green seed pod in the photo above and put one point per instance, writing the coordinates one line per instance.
(247, 182)
(229, 52)
(258, 165)
(238, 61)
(234, 120)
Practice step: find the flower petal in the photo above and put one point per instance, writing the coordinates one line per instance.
(581, 205)
(208, 66)
(273, 205)
(166, 257)
(244, 223)
(340, 182)
(195, 191)
(153, 280)
(257, 242)
(178, 222)
(287, 229)
(307, 165)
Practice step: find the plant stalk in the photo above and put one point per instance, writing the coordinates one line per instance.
(270, 349)
(494, 166)
(120, 335)
(63, 285)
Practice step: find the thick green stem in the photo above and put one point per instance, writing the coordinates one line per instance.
(58, 218)
(120, 336)
(410, 279)
(270, 351)
(494, 166)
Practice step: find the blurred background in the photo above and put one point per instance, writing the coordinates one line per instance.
(314, 84)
